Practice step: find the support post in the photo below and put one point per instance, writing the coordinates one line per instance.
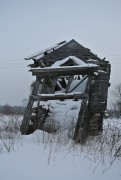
(28, 111)
(69, 83)
(82, 113)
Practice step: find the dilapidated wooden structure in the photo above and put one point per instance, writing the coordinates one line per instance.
(56, 68)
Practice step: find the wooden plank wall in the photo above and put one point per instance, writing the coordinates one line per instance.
(98, 101)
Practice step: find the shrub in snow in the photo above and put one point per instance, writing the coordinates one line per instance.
(9, 132)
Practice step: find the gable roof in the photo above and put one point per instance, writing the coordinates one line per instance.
(62, 50)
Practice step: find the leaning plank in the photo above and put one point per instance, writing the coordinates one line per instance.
(82, 113)
(80, 121)
(59, 96)
(75, 70)
(28, 111)
(69, 83)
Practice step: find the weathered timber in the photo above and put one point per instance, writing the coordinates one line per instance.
(96, 124)
(42, 114)
(69, 83)
(28, 111)
(41, 64)
(36, 64)
(98, 102)
(61, 96)
(53, 82)
(75, 70)
(104, 76)
(46, 86)
(38, 122)
(84, 105)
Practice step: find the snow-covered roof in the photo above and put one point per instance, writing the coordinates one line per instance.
(70, 48)
(75, 60)
(41, 53)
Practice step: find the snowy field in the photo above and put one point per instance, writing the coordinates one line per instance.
(45, 156)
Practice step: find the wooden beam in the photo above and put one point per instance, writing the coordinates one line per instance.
(59, 96)
(80, 120)
(28, 111)
(82, 114)
(70, 80)
(73, 70)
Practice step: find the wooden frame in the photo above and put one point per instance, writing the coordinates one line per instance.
(75, 70)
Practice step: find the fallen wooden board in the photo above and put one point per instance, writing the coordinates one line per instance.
(59, 96)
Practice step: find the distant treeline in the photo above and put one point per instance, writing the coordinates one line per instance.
(8, 109)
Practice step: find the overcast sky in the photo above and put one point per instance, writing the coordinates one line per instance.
(28, 26)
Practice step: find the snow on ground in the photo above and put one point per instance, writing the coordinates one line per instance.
(47, 156)
(112, 122)
(62, 112)
(30, 161)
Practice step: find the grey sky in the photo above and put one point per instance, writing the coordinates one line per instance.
(28, 26)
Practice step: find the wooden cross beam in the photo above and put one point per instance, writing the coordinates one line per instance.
(74, 70)
(59, 96)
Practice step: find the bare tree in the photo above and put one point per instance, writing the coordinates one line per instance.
(7, 109)
(117, 102)
(9, 132)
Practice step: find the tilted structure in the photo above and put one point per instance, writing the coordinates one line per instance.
(68, 71)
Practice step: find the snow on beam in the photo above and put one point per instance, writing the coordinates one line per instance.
(59, 96)
(68, 70)
(73, 58)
